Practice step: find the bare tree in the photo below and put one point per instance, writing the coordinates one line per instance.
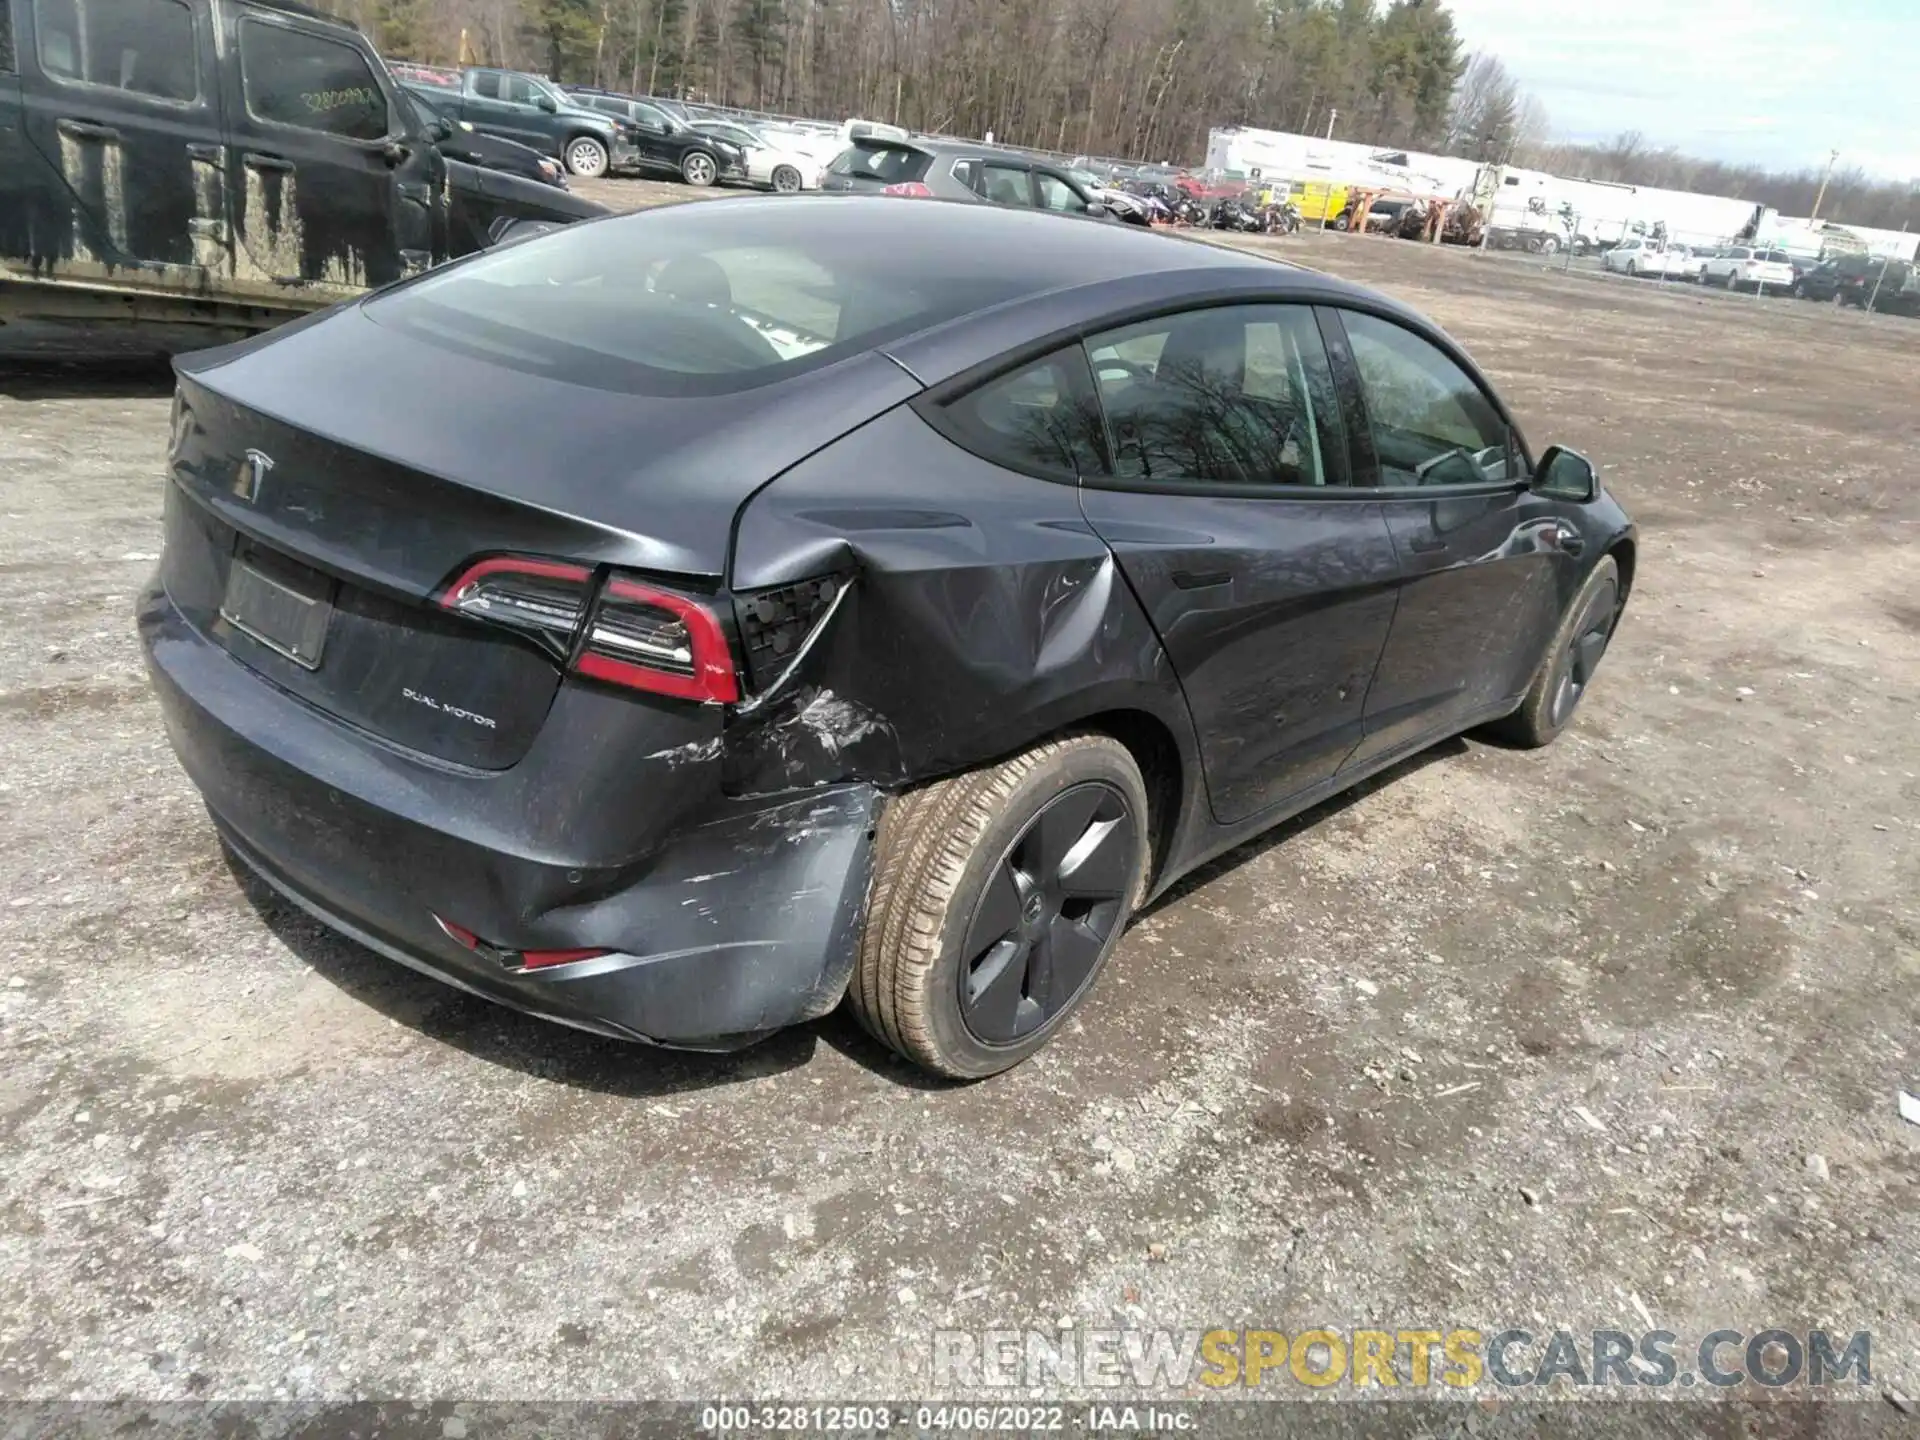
(1482, 122)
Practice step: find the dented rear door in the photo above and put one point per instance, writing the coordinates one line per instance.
(314, 140)
(122, 114)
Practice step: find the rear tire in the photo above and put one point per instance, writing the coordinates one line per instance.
(972, 915)
(698, 168)
(1567, 669)
(786, 180)
(586, 157)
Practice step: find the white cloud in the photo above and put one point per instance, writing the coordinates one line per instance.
(1779, 81)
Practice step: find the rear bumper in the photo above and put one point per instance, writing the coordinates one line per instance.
(740, 920)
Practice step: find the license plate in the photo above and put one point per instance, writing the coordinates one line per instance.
(284, 614)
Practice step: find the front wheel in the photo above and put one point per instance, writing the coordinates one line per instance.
(997, 896)
(786, 179)
(586, 157)
(1568, 667)
(699, 169)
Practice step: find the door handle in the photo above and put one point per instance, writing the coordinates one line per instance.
(88, 130)
(1201, 579)
(253, 160)
(1427, 544)
(1570, 540)
(203, 152)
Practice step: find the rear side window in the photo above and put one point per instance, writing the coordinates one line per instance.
(1236, 395)
(1432, 425)
(1043, 417)
(142, 46)
(294, 78)
(882, 164)
(1057, 194)
(1005, 185)
(486, 86)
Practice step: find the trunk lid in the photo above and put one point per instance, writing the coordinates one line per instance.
(329, 483)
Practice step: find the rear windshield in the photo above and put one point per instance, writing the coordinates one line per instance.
(882, 164)
(686, 302)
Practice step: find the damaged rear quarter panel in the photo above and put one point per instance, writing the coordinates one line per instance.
(983, 615)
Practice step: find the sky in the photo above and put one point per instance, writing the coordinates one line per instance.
(1779, 82)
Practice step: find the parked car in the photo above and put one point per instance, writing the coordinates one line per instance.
(1821, 282)
(771, 619)
(665, 143)
(772, 162)
(1886, 285)
(1120, 204)
(1739, 266)
(489, 152)
(138, 207)
(1641, 256)
(534, 112)
(957, 170)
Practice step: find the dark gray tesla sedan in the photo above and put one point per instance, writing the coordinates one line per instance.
(675, 623)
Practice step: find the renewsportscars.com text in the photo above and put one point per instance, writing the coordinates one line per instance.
(1412, 1358)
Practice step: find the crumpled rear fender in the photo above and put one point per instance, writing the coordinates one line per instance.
(981, 613)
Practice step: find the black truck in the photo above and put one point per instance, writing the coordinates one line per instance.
(177, 172)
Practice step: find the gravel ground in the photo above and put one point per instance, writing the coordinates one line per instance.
(1543, 1039)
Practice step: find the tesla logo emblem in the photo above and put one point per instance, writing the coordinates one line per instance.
(251, 475)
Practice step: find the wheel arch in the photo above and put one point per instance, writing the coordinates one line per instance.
(1151, 742)
(1625, 552)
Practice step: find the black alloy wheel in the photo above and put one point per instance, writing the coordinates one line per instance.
(1581, 657)
(1049, 908)
(1568, 665)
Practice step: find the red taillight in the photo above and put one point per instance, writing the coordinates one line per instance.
(653, 639)
(540, 598)
(637, 635)
(909, 187)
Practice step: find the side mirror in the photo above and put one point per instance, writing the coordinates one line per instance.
(546, 103)
(1566, 475)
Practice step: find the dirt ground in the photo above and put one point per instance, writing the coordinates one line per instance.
(1538, 1039)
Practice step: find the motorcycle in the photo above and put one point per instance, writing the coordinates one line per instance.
(1189, 211)
(1234, 213)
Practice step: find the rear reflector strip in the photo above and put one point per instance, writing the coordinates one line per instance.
(538, 959)
(513, 959)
